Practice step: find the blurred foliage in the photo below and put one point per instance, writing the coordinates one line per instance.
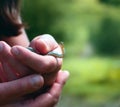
(44, 16)
(111, 2)
(80, 23)
(107, 40)
(96, 81)
(74, 22)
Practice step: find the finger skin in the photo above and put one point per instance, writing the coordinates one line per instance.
(37, 62)
(11, 67)
(48, 99)
(47, 65)
(13, 89)
(3, 76)
(44, 44)
(5, 57)
(51, 98)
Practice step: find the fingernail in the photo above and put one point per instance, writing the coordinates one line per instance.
(37, 81)
(1, 47)
(15, 51)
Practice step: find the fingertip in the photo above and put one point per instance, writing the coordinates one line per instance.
(62, 77)
(44, 43)
(4, 50)
(3, 46)
(37, 81)
(15, 50)
(66, 73)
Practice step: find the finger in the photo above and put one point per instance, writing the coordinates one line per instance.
(11, 67)
(39, 63)
(51, 98)
(62, 77)
(58, 85)
(5, 58)
(50, 78)
(3, 77)
(9, 73)
(44, 44)
(20, 87)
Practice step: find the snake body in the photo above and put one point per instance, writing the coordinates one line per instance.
(53, 53)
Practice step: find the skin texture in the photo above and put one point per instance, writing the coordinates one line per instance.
(10, 91)
(48, 99)
(18, 62)
(23, 72)
(21, 39)
(53, 52)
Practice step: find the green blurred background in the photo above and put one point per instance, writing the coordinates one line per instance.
(90, 30)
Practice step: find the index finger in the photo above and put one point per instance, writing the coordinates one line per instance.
(41, 64)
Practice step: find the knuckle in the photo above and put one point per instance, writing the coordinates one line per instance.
(53, 64)
(48, 64)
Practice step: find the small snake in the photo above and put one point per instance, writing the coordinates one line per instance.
(55, 54)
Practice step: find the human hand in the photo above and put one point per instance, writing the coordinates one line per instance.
(15, 65)
(16, 89)
(28, 61)
(10, 68)
(46, 65)
(48, 99)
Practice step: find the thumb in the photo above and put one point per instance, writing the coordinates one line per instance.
(43, 44)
